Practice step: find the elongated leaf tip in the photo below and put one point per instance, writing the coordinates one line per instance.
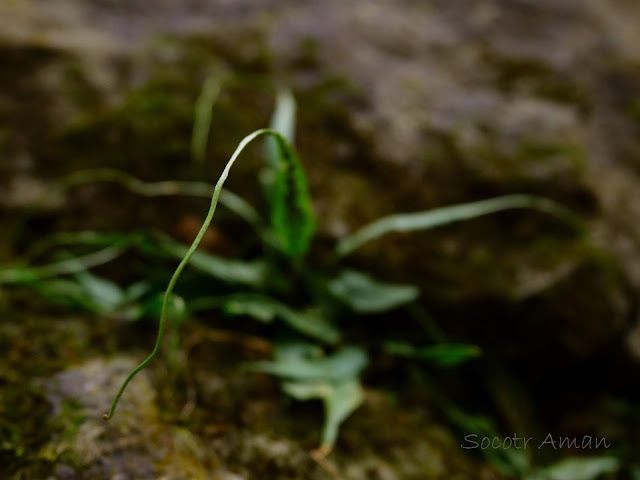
(425, 220)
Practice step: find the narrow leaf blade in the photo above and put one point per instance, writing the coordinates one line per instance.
(410, 222)
(285, 182)
(105, 293)
(293, 364)
(292, 217)
(251, 273)
(203, 114)
(283, 121)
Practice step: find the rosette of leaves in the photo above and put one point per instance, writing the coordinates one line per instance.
(261, 290)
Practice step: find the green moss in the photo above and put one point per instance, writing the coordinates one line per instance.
(78, 89)
(34, 346)
(530, 160)
(149, 126)
(539, 79)
(633, 111)
(24, 413)
(72, 415)
(62, 430)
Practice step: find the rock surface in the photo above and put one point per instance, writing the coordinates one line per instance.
(403, 106)
(133, 445)
(408, 105)
(220, 423)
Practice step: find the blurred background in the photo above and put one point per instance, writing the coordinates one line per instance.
(401, 107)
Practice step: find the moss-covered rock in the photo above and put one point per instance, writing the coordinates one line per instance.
(213, 419)
(135, 444)
(402, 107)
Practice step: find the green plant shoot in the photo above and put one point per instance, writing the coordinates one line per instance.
(292, 203)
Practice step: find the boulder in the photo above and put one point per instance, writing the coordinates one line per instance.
(402, 107)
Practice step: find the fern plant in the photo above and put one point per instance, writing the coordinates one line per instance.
(313, 359)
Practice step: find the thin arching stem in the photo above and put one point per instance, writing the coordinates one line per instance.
(167, 295)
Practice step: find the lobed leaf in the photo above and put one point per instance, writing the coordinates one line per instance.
(291, 363)
(363, 294)
(333, 379)
(339, 399)
(309, 322)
